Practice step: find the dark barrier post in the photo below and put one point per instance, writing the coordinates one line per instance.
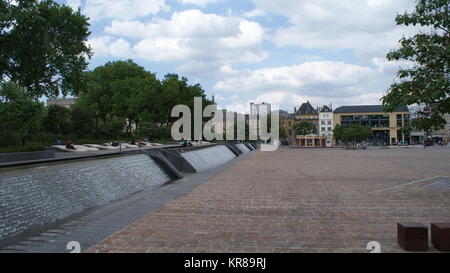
(412, 236)
(440, 236)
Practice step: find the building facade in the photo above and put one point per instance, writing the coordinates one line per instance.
(437, 136)
(385, 126)
(64, 102)
(326, 124)
(287, 122)
(308, 113)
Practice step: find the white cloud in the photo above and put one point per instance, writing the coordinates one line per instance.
(120, 9)
(366, 26)
(74, 4)
(201, 42)
(320, 82)
(309, 78)
(107, 46)
(201, 3)
(255, 13)
(390, 68)
(288, 100)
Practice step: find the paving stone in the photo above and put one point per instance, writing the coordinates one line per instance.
(297, 200)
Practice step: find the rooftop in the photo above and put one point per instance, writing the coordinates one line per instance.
(306, 109)
(285, 114)
(367, 109)
(326, 109)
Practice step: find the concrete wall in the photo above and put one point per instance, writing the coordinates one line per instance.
(14, 157)
(34, 196)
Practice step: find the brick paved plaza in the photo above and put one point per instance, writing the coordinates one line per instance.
(298, 200)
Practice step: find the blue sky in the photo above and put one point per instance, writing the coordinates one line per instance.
(283, 52)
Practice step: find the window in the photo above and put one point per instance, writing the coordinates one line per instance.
(290, 124)
(407, 119)
(329, 129)
(399, 120)
(323, 122)
(384, 123)
(329, 122)
(290, 132)
(323, 129)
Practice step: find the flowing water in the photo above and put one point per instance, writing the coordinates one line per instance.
(208, 158)
(243, 148)
(35, 196)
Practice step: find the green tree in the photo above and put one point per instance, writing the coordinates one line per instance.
(125, 90)
(428, 81)
(338, 132)
(19, 113)
(406, 131)
(121, 89)
(43, 47)
(82, 122)
(304, 128)
(57, 120)
(176, 91)
(283, 133)
(113, 127)
(356, 133)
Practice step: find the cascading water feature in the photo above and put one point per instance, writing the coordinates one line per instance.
(244, 149)
(208, 158)
(35, 196)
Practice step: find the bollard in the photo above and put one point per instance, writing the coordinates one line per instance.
(412, 236)
(440, 236)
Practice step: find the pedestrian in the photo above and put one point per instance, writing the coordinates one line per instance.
(69, 144)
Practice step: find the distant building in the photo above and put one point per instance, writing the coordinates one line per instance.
(287, 122)
(64, 102)
(326, 124)
(438, 136)
(308, 113)
(385, 126)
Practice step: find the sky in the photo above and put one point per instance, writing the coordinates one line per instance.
(283, 52)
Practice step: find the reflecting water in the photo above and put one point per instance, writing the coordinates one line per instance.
(36, 196)
(208, 158)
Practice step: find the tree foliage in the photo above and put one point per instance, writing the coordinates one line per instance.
(304, 128)
(353, 133)
(57, 120)
(338, 132)
(123, 90)
(428, 80)
(43, 47)
(19, 113)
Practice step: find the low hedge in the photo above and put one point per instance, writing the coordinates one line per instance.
(22, 148)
